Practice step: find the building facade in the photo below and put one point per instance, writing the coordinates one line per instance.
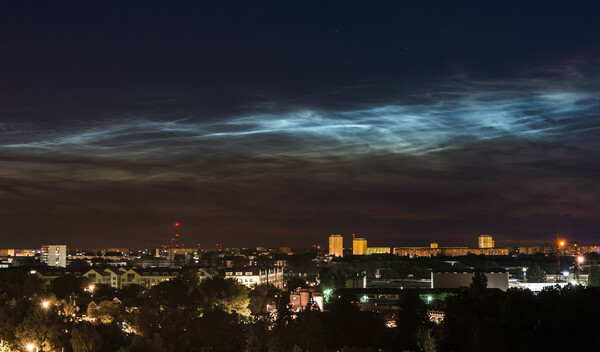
(413, 252)
(54, 255)
(379, 250)
(336, 245)
(486, 241)
(251, 276)
(359, 246)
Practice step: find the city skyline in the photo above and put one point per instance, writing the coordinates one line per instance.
(404, 123)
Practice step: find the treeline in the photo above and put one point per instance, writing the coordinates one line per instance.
(219, 314)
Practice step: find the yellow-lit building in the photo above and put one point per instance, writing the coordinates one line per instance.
(359, 246)
(486, 241)
(336, 245)
(447, 251)
(379, 250)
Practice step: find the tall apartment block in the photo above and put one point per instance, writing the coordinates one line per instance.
(336, 245)
(486, 241)
(359, 246)
(54, 255)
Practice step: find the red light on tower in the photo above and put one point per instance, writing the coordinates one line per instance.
(176, 224)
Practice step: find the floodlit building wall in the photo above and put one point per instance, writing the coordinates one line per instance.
(379, 250)
(336, 245)
(486, 241)
(359, 246)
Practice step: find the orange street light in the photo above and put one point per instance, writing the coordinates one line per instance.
(580, 259)
(45, 304)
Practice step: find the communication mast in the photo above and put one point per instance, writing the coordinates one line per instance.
(175, 245)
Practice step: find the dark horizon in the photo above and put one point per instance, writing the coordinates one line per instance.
(273, 124)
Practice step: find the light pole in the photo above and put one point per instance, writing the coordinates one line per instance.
(91, 288)
(578, 263)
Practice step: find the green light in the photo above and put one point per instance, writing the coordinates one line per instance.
(429, 299)
(327, 294)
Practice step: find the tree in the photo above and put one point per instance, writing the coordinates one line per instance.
(426, 339)
(332, 279)
(175, 293)
(107, 312)
(479, 284)
(412, 315)
(295, 282)
(217, 330)
(261, 296)
(66, 285)
(85, 338)
(536, 274)
(594, 276)
(44, 327)
(257, 335)
(225, 294)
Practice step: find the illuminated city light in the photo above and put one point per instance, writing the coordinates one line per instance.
(580, 259)
(327, 294)
(45, 304)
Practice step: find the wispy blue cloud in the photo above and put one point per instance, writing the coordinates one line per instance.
(443, 120)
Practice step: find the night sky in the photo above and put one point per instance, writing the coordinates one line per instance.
(277, 123)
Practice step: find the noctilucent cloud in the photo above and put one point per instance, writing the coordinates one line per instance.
(250, 130)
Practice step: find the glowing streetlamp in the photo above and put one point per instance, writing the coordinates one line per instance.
(91, 288)
(31, 347)
(580, 259)
(45, 304)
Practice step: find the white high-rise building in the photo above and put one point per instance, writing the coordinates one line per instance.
(54, 255)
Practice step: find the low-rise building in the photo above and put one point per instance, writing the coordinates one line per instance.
(250, 276)
(300, 298)
(379, 250)
(413, 252)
